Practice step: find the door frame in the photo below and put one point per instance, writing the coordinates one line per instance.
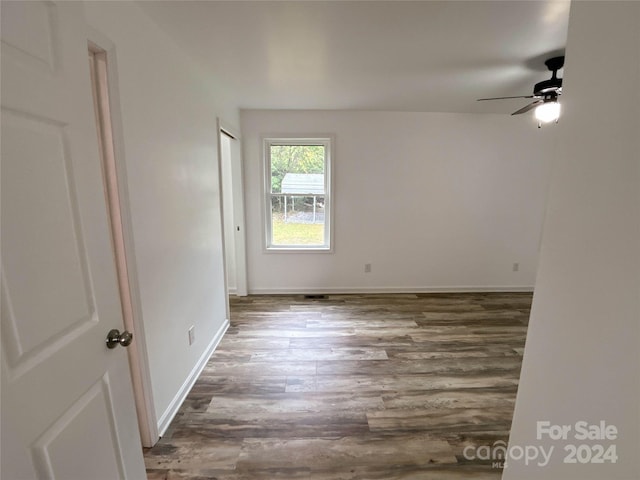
(138, 355)
(239, 226)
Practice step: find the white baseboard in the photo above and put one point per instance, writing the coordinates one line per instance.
(365, 290)
(174, 406)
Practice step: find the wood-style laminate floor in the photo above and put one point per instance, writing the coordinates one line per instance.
(351, 387)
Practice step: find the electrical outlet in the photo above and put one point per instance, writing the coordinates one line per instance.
(192, 335)
(516, 266)
(367, 268)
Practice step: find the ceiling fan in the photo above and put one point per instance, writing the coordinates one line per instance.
(546, 94)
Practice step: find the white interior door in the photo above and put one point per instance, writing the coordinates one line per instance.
(233, 214)
(238, 215)
(228, 219)
(67, 405)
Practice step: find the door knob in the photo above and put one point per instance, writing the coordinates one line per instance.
(114, 337)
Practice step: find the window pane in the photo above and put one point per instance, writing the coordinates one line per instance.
(304, 165)
(297, 220)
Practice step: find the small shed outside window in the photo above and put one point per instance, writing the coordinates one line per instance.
(311, 184)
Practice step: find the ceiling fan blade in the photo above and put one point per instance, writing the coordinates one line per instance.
(531, 106)
(505, 98)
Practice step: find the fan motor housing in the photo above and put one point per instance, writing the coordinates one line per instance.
(546, 86)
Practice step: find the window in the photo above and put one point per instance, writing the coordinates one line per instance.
(298, 193)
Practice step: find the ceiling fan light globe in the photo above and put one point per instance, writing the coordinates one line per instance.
(548, 112)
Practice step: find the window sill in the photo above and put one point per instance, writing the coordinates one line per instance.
(298, 250)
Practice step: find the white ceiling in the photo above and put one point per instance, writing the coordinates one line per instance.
(437, 56)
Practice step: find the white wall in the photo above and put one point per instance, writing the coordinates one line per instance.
(433, 201)
(169, 108)
(581, 361)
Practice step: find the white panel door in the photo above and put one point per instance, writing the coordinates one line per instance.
(233, 215)
(67, 405)
(238, 216)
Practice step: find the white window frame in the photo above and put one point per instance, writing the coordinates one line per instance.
(325, 140)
